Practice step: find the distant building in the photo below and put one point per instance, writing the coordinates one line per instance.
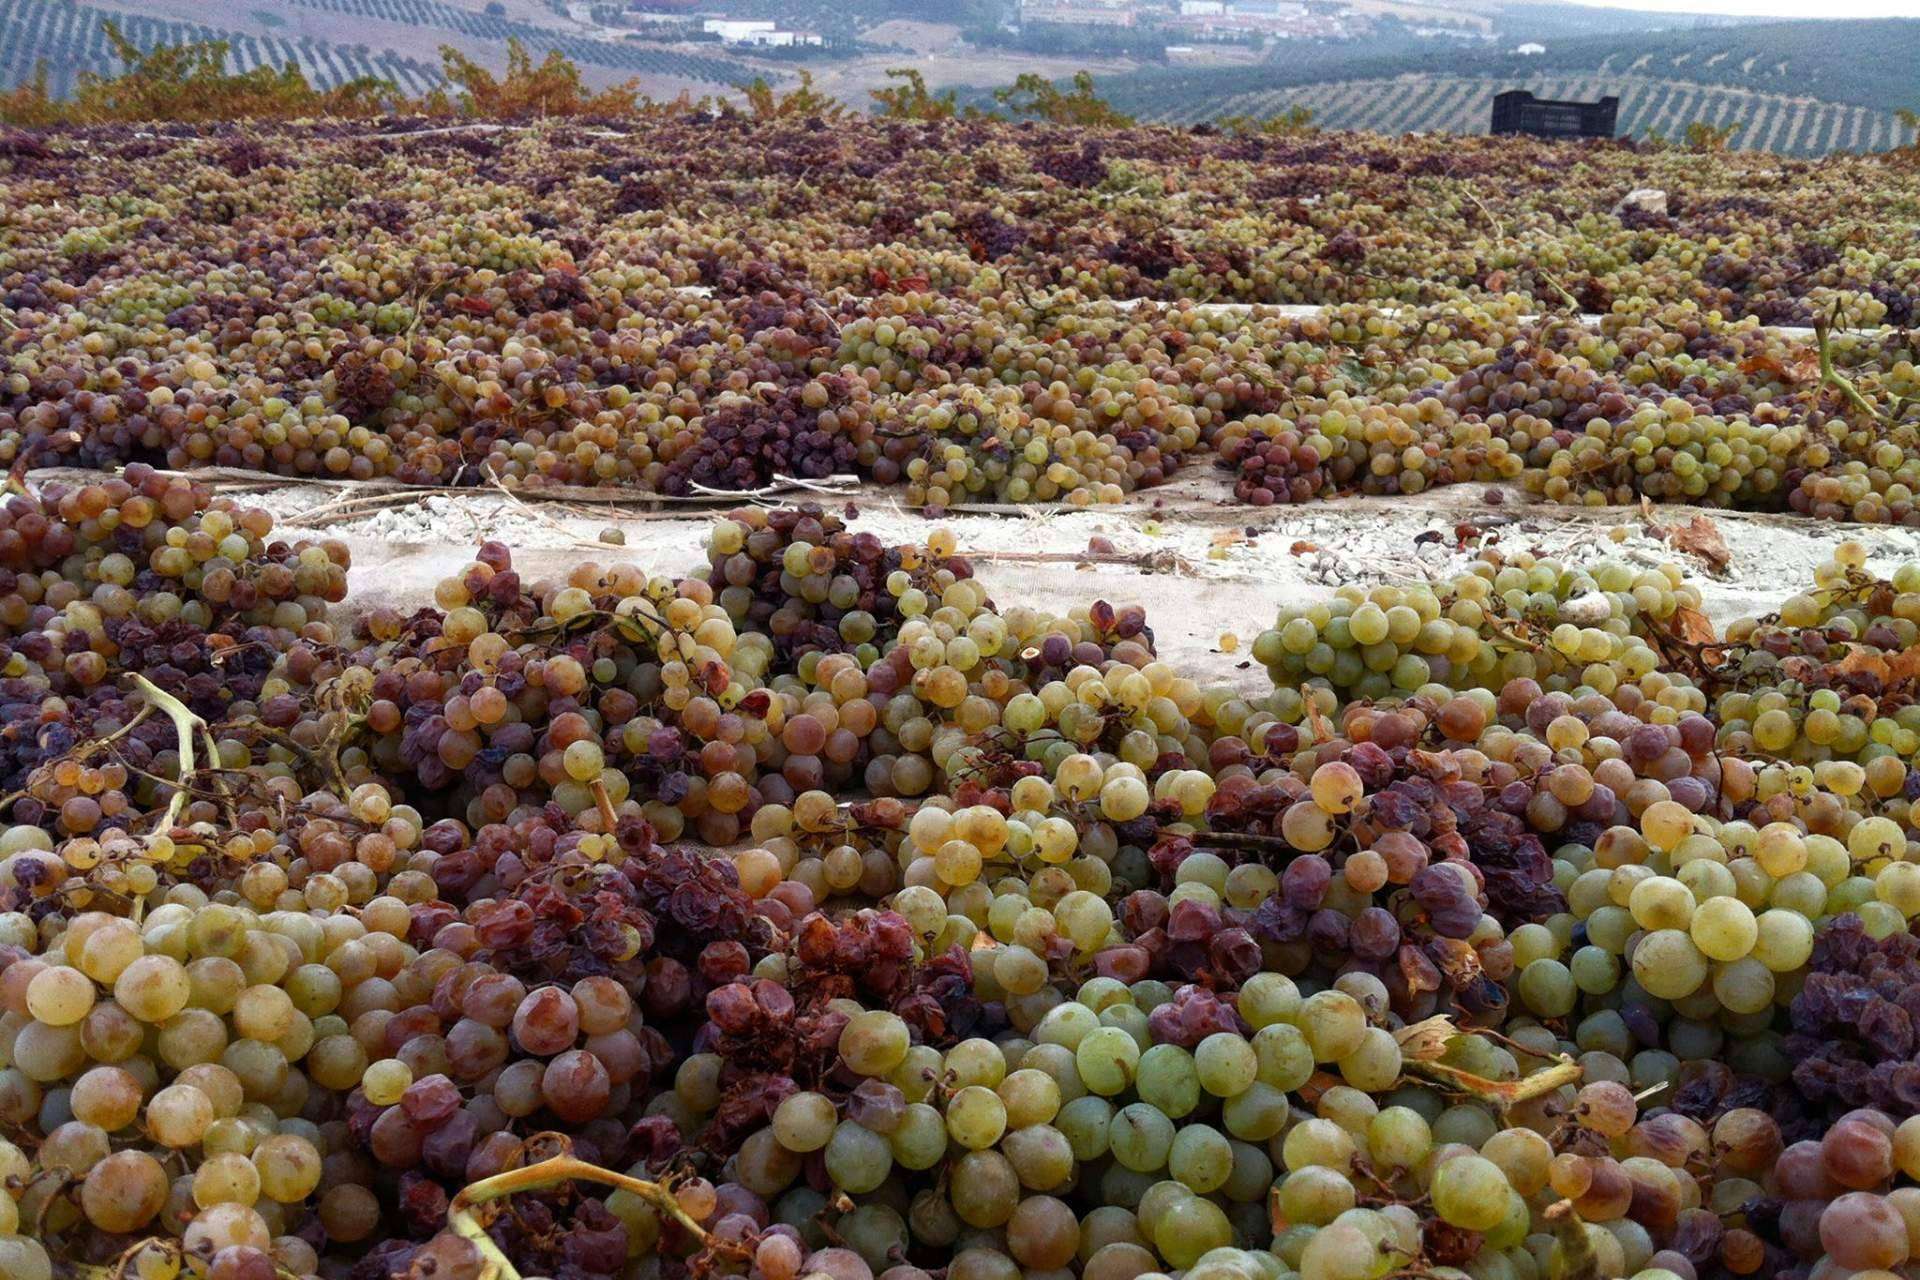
(780, 39)
(732, 31)
(759, 32)
(1531, 50)
(1202, 8)
(1091, 13)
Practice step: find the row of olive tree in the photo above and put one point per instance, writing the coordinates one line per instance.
(192, 82)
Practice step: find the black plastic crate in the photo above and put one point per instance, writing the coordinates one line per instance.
(1518, 111)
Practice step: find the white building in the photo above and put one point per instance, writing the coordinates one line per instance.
(1202, 8)
(733, 31)
(1531, 50)
(758, 32)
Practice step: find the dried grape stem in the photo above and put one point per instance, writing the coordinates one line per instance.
(1578, 1260)
(1502, 1093)
(605, 805)
(1242, 840)
(463, 1218)
(184, 723)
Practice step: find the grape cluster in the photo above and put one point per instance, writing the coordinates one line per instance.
(949, 307)
(825, 917)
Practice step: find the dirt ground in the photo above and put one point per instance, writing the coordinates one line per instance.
(950, 62)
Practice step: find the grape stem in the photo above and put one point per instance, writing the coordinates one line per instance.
(1579, 1261)
(605, 804)
(1832, 377)
(1243, 840)
(1502, 1093)
(464, 1218)
(184, 723)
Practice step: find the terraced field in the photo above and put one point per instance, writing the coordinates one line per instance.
(1463, 104)
(68, 39)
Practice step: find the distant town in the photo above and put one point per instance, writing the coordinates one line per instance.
(1194, 28)
(1202, 20)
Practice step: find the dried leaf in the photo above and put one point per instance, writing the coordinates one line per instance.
(1317, 1084)
(1438, 765)
(1880, 600)
(1427, 1039)
(1700, 537)
(1228, 537)
(1303, 548)
(1904, 667)
(1693, 626)
(1317, 724)
(1862, 660)
(1897, 669)
(1279, 1219)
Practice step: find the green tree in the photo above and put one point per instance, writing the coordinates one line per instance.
(765, 103)
(910, 100)
(1703, 137)
(1036, 96)
(553, 87)
(1295, 122)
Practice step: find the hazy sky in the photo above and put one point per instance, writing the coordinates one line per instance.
(1779, 8)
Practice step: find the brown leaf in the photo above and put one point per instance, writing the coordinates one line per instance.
(1303, 548)
(1224, 538)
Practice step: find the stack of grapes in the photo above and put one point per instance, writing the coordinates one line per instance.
(852, 924)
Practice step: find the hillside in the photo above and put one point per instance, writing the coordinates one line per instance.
(334, 41)
(1463, 104)
(67, 39)
(1791, 87)
(1870, 64)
